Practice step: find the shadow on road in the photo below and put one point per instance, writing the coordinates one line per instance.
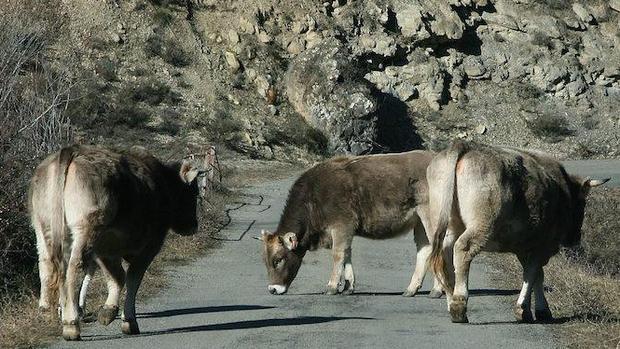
(492, 292)
(474, 293)
(238, 325)
(201, 310)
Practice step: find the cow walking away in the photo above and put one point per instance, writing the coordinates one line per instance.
(500, 199)
(375, 196)
(90, 203)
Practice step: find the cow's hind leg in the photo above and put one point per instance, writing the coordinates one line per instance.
(349, 276)
(135, 273)
(466, 248)
(70, 307)
(46, 270)
(115, 279)
(341, 253)
(542, 312)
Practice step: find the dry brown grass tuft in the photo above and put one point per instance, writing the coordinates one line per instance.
(583, 284)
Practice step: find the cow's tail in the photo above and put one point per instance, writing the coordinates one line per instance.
(447, 199)
(58, 228)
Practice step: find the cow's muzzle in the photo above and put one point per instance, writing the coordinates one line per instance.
(277, 289)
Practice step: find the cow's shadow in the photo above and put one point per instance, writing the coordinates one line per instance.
(237, 325)
(201, 310)
(481, 292)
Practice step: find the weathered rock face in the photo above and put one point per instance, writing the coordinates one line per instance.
(324, 85)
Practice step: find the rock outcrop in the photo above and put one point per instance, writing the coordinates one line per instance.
(325, 86)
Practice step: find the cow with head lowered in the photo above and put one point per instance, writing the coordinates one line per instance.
(94, 204)
(501, 199)
(374, 196)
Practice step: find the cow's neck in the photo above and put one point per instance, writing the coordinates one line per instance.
(294, 220)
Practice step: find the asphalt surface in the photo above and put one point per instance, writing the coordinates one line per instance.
(221, 301)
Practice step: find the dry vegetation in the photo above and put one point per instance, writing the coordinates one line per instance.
(37, 101)
(583, 284)
(32, 99)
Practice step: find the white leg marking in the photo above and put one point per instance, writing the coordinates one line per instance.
(276, 289)
(84, 290)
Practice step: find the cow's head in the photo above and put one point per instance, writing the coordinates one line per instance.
(580, 187)
(282, 257)
(195, 170)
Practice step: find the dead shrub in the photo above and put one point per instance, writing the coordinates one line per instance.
(168, 49)
(550, 127)
(32, 124)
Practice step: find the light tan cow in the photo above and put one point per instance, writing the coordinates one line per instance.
(486, 198)
(375, 196)
(89, 203)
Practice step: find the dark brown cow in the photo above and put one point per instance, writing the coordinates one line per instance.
(498, 199)
(94, 203)
(376, 196)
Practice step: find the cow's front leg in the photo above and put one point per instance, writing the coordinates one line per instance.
(424, 250)
(543, 314)
(115, 279)
(135, 273)
(522, 310)
(90, 272)
(437, 290)
(341, 247)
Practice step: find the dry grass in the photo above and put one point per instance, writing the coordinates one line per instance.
(583, 284)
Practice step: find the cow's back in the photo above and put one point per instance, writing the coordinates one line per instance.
(376, 193)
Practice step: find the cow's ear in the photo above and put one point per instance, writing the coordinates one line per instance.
(290, 241)
(188, 172)
(591, 183)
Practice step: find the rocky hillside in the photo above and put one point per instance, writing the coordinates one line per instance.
(296, 79)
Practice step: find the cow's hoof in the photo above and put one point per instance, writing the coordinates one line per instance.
(348, 291)
(458, 310)
(331, 291)
(435, 293)
(544, 316)
(71, 331)
(409, 293)
(107, 314)
(348, 288)
(523, 315)
(130, 327)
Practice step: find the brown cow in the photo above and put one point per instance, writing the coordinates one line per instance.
(94, 203)
(375, 196)
(501, 199)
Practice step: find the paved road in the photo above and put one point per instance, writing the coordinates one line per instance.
(596, 169)
(221, 301)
